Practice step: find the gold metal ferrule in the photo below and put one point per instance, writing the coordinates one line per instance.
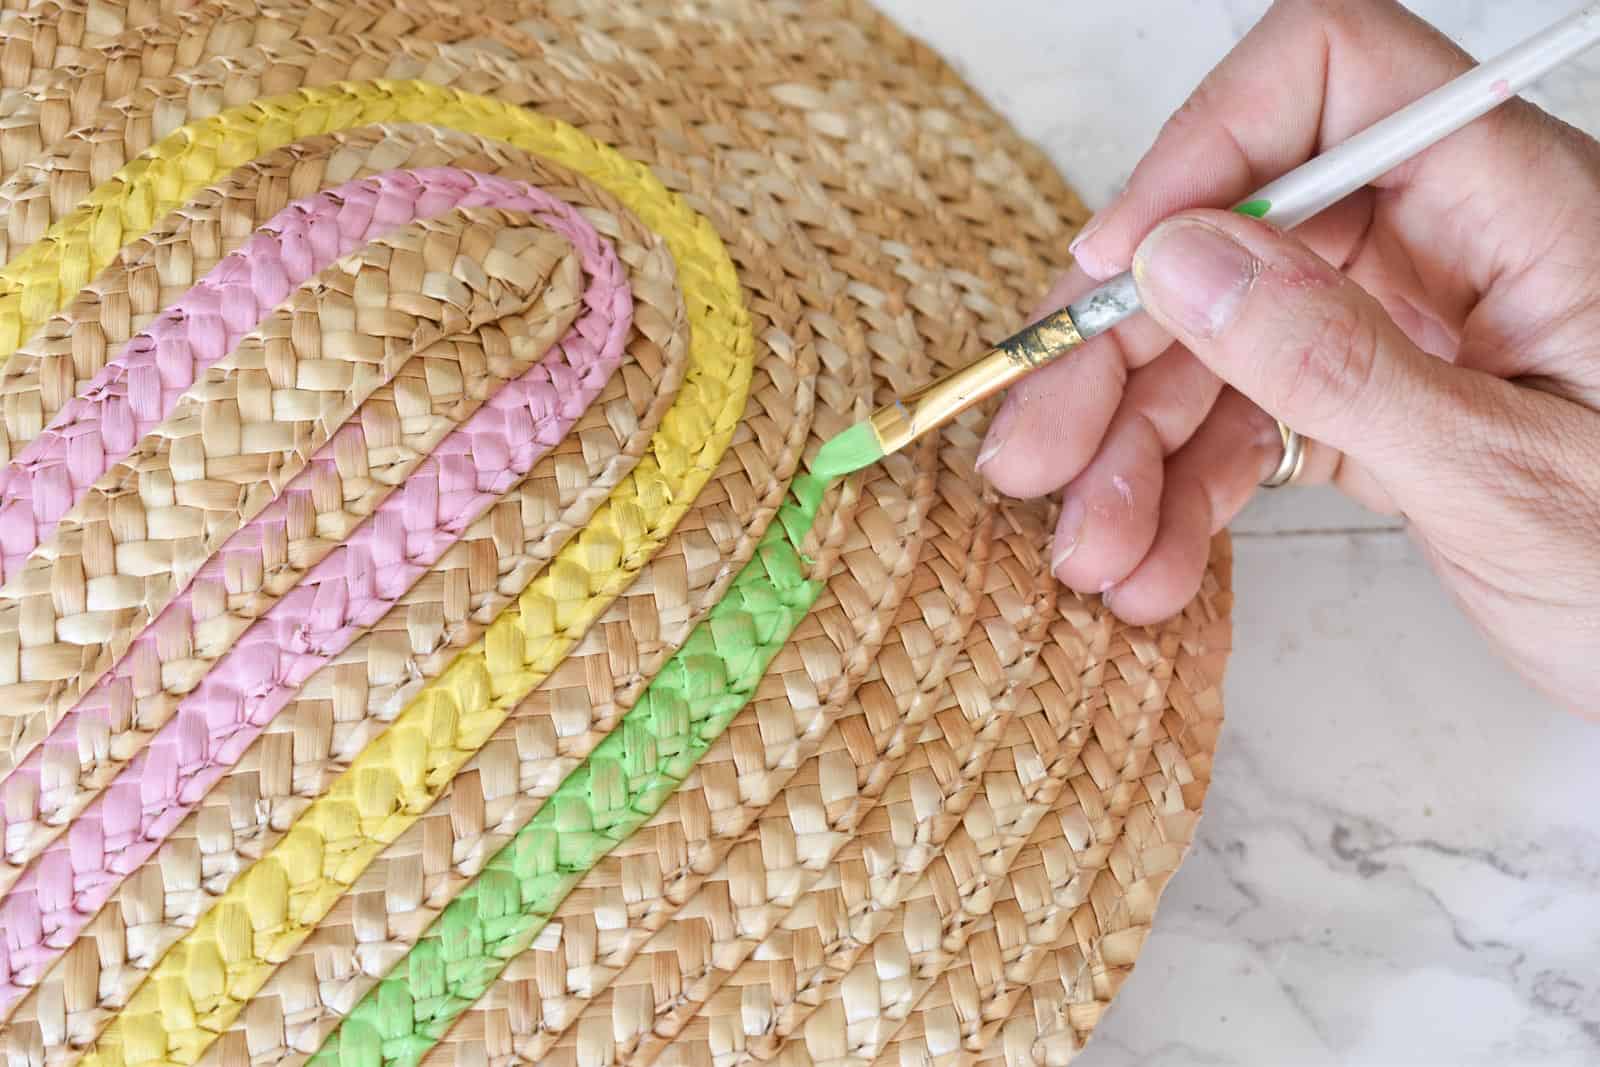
(930, 407)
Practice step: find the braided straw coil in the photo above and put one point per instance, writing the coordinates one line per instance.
(661, 762)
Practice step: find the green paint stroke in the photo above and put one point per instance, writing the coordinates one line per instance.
(1256, 209)
(849, 451)
(624, 781)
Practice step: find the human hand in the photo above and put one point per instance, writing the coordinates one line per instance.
(1437, 336)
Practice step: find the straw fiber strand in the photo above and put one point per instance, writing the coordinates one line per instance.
(816, 776)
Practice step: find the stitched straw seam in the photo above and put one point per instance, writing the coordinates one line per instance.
(348, 591)
(693, 434)
(303, 239)
(622, 783)
(221, 963)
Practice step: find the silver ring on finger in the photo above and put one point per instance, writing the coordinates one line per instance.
(1294, 458)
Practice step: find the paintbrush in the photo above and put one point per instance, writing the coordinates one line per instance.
(1287, 202)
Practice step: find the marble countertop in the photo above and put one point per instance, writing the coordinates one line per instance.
(1400, 859)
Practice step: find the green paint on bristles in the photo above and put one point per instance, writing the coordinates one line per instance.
(1256, 209)
(848, 452)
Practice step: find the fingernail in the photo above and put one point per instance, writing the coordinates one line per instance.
(1195, 274)
(1088, 259)
(1067, 529)
(1090, 228)
(1093, 265)
(999, 427)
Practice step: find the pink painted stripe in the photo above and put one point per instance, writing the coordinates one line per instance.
(347, 592)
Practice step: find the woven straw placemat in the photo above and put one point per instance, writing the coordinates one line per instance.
(420, 638)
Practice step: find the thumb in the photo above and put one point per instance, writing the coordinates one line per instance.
(1289, 331)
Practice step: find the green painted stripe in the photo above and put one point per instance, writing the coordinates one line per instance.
(1254, 208)
(624, 781)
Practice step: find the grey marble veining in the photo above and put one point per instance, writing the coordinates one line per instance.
(1400, 860)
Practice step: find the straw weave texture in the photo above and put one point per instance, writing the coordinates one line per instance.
(647, 747)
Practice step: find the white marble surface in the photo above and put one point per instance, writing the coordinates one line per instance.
(1400, 861)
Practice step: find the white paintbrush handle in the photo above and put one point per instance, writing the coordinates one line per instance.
(1334, 175)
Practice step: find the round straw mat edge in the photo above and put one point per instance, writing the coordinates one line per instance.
(939, 831)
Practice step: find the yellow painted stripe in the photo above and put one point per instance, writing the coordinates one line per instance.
(203, 982)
